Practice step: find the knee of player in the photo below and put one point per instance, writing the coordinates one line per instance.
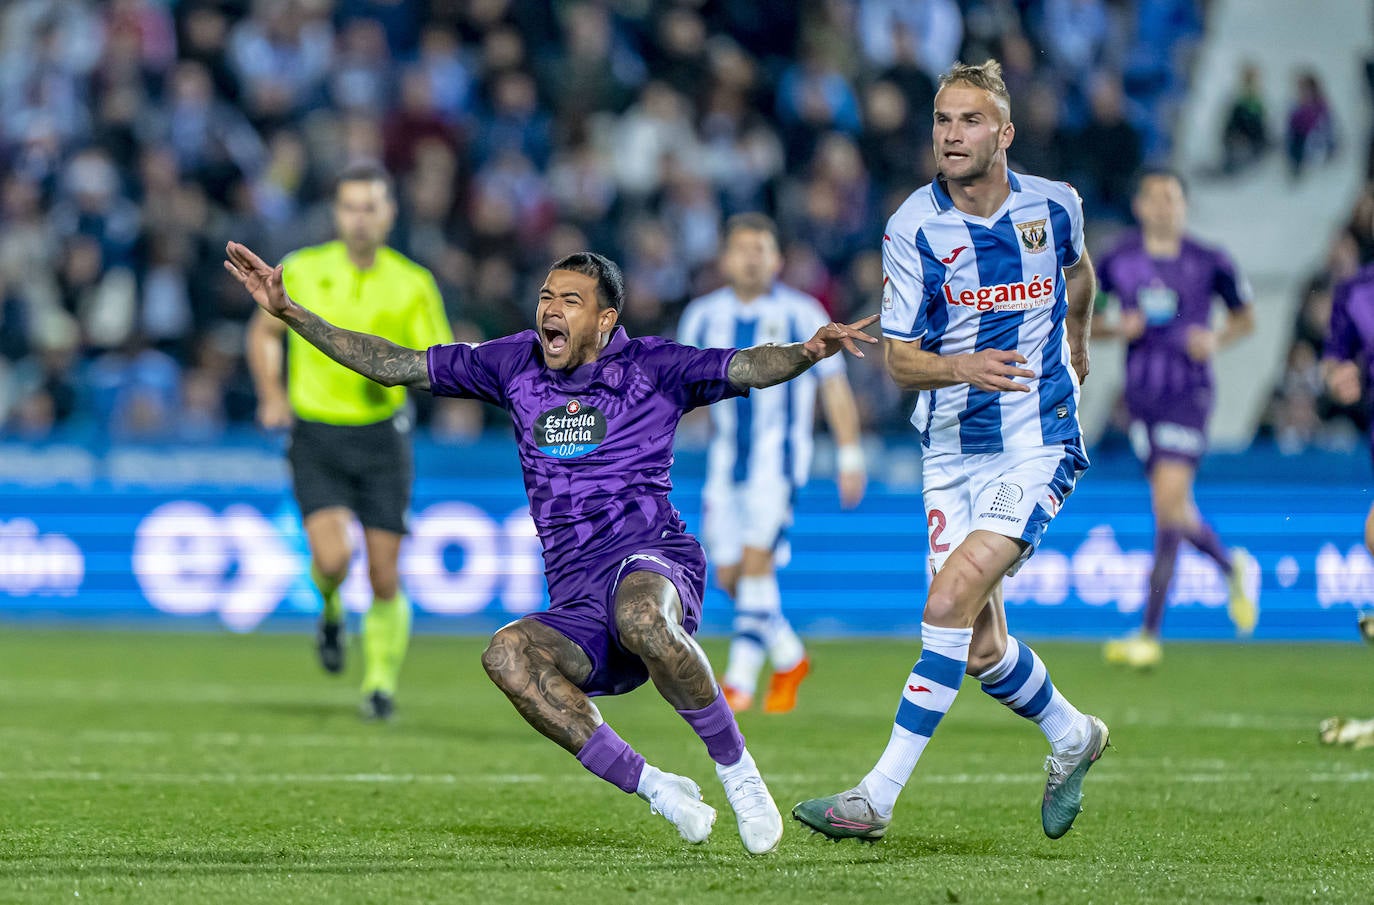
(385, 580)
(944, 605)
(504, 653)
(640, 622)
(333, 568)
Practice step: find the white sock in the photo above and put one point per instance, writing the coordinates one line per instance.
(926, 697)
(745, 764)
(648, 781)
(756, 605)
(785, 649)
(746, 660)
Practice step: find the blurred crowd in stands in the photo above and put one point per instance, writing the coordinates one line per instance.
(1302, 412)
(137, 136)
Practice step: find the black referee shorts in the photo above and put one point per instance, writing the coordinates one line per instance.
(367, 468)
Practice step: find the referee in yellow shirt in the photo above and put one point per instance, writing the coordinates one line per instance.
(350, 437)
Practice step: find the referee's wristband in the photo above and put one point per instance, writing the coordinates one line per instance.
(849, 458)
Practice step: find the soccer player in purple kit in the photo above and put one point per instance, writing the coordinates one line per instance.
(1348, 359)
(1348, 368)
(594, 413)
(1166, 282)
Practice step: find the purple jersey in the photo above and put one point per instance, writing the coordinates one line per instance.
(1174, 295)
(1351, 337)
(595, 443)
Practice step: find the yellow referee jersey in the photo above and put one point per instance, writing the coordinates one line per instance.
(395, 298)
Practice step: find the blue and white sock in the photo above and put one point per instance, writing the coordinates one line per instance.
(1021, 681)
(927, 696)
(757, 603)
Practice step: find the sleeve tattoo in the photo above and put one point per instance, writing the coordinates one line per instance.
(764, 366)
(371, 356)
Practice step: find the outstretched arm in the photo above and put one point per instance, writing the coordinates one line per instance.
(764, 366)
(371, 356)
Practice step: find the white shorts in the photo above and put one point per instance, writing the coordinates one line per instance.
(1016, 493)
(756, 514)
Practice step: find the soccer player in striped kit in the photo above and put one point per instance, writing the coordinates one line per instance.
(760, 456)
(986, 309)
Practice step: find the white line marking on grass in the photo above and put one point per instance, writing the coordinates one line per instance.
(472, 779)
(161, 738)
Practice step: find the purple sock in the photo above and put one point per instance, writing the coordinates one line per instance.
(1167, 541)
(611, 757)
(1205, 540)
(716, 725)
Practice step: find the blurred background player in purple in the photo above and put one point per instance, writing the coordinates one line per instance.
(595, 413)
(1348, 358)
(1348, 369)
(1166, 282)
(760, 456)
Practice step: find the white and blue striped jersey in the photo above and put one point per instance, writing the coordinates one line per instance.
(957, 283)
(767, 435)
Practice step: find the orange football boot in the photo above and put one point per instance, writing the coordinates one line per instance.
(738, 700)
(782, 688)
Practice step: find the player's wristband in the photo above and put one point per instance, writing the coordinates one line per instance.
(849, 458)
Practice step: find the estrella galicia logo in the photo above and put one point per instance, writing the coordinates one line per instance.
(569, 431)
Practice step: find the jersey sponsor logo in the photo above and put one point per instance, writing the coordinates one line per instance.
(1008, 497)
(569, 431)
(1019, 296)
(953, 255)
(1158, 303)
(1034, 237)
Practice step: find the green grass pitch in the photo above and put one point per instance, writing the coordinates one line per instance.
(171, 768)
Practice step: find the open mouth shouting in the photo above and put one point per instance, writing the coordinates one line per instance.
(555, 336)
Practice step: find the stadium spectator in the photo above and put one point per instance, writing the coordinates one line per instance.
(1311, 133)
(1245, 137)
(206, 118)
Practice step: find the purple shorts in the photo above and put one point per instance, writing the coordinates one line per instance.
(1174, 428)
(1178, 442)
(588, 619)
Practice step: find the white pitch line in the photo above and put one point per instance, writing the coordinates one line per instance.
(474, 779)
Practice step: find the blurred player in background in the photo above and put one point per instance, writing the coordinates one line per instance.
(1166, 282)
(1348, 366)
(760, 456)
(350, 436)
(595, 413)
(987, 303)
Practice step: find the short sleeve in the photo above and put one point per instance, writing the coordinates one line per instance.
(1341, 341)
(903, 310)
(1227, 282)
(693, 377)
(470, 370)
(1067, 200)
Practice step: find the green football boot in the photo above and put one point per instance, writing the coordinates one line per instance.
(848, 815)
(1064, 787)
